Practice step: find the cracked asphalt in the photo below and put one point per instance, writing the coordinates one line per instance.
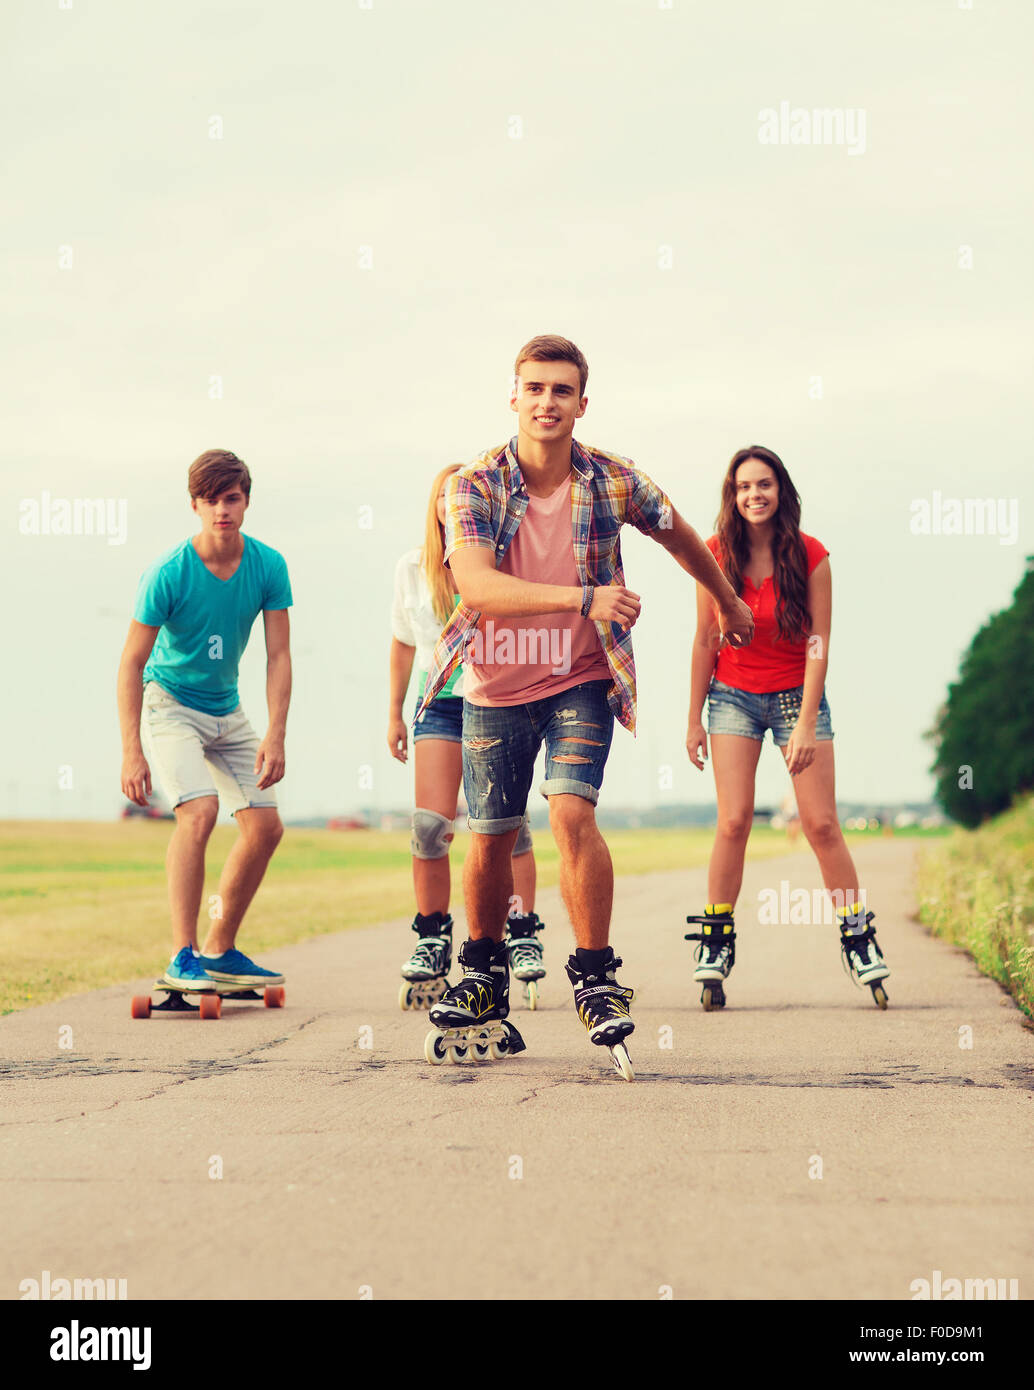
(801, 1144)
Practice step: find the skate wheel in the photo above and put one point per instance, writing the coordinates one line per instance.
(456, 1054)
(141, 1006)
(434, 992)
(211, 1006)
(707, 999)
(532, 991)
(274, 996)
(482, 1051)
(498, 1049)
(622, 1061)
(880, 995)
(434, 1049)
(406, 996)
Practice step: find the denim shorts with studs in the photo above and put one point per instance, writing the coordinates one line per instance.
(748, 714)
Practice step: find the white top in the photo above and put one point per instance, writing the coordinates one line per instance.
(413, 619)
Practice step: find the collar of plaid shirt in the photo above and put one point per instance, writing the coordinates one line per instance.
(601, 486)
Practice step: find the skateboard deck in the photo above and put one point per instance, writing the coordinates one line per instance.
(210, 999)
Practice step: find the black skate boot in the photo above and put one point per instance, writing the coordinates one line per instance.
(525, 951)
(470, 1018)
(716, 954)
(602, 1003)
(424, 973)
(862, 957)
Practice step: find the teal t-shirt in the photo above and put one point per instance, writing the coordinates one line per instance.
(446, 691)
(206, 622)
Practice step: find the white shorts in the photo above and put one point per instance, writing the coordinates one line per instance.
(195, 754)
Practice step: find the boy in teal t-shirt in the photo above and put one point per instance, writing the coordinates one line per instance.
(177, 698)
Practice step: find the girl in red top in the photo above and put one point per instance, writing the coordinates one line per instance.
(777, 683)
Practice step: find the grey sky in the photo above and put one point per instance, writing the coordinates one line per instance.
(392, 128)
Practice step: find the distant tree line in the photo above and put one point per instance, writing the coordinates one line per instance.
(984, 734)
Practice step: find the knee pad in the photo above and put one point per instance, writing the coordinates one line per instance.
(431, 835)
(523, 842)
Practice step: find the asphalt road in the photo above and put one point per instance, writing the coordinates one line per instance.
(800, 1144)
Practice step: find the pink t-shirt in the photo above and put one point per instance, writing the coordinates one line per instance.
(512, 661)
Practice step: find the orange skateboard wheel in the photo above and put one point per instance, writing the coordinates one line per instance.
(274, 996)
(141, 1006)
(211, 1006)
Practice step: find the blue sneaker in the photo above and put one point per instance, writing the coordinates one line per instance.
(234, 968)
(185, 969)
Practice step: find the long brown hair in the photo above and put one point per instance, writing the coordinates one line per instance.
(439, 579)
(790, 559)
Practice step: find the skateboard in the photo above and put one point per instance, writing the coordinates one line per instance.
(210, 1001)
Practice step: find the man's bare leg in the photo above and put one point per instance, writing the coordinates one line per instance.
(185, 866)
(586, 869)
(261, 830)
(488, 884)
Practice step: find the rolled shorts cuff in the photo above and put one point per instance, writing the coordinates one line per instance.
(820, 737)
(237, 804)
(499, 826)
(556, 786)
(196, 796)
(419, 734)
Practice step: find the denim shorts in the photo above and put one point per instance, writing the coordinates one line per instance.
(732, 711)
(501, 744)
(443, 718)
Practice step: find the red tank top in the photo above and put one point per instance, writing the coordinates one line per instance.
(769, 662)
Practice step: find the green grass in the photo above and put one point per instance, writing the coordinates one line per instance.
(977, 890)
(82, 904)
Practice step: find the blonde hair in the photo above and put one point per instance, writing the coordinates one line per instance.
(439, 579)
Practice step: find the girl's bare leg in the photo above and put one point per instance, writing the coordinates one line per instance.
(438, 765)
(815, 789)
(734, 760)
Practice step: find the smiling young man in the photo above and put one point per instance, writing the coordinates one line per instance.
(177, 695)
(544, 630)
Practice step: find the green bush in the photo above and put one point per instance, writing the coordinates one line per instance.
(987, 722)
(977, 890)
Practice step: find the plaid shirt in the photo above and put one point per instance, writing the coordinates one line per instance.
(484, 505)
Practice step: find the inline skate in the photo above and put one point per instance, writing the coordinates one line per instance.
(470, 1018)
(602, 1003)
(424, 974)
(525, 952)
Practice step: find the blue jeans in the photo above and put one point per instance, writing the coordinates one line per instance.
(502, 742)
(732, 711)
